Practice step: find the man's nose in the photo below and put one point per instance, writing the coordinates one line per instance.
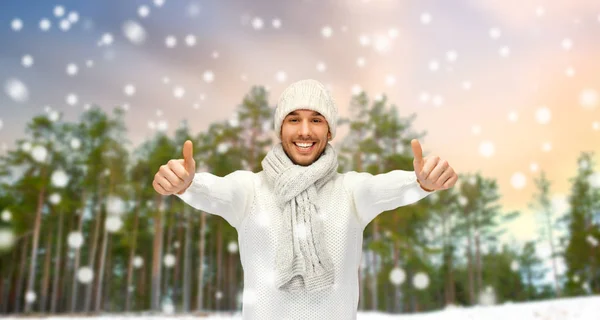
(304, 129)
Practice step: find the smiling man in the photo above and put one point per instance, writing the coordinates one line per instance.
(304, 136)
(300, 223)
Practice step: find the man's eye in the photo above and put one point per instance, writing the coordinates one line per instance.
(317, 120)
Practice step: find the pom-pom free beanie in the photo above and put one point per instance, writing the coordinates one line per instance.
(306, 94)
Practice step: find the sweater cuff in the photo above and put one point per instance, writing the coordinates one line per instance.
(193, 188)
(416, 186)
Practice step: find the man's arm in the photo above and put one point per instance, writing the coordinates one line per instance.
(229, 197)
(374, 194)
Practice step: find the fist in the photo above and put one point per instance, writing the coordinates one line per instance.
(432, 173)
(177, 175)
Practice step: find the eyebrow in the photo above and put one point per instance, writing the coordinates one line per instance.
(294, 113)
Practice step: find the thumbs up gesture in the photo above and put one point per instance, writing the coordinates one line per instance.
(177, 175)
(432, 173)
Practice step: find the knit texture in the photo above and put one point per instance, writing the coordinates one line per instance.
(302, 262)
(347, 203)
(306, 94)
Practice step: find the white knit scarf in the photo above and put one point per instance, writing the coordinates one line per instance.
(301, 258)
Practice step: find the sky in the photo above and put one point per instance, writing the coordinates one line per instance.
(505, 88)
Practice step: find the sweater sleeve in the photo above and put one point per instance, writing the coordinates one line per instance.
(374, 194)
(229, 197)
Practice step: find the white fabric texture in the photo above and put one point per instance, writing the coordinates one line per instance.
(302, 261)
(306, 94)
(349, 202)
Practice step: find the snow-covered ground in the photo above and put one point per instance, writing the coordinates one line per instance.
(583, 308)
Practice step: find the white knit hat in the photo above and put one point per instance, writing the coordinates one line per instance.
(306, 94)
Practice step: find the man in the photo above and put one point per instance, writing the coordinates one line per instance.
(300, 223)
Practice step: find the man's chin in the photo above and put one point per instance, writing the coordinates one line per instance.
(303, 162)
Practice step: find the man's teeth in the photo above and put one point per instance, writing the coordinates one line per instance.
(304, 145)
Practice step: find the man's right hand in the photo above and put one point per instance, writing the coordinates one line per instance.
(177, 175)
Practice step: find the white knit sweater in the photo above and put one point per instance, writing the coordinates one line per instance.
(350, 200)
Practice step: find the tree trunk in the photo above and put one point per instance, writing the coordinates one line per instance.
(46, 277)
(63, 293)
(219, 263)
(57, 261)
(131, 257)
(553, 253)
(21, 276)
(2, 294)
(178, 261)
(187, 280)
(470, 266)
(74, 287)
(10, 281)
(449, 293)
(167, 251)
(479, 279)
(100, 274)
(106, 289)
(232, 293)
(141, 286)
(36, 239)
(200, 296)
(92, 256)
(397, 293)
(375, 257)
(157, 254)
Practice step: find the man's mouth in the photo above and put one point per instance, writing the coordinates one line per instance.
(304, 147)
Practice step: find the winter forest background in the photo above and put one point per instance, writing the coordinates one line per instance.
(97, 95)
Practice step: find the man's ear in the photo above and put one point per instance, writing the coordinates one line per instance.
(329, 135)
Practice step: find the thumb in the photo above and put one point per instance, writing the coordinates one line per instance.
(188, 156)
(418, 152)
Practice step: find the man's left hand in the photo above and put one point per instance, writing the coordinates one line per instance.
(432, 172)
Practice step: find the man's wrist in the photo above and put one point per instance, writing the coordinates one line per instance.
(420, 185)
(183, 190)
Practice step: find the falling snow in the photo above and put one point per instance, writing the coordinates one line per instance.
(59, 178)
(169, 260)
(208, 76)
(421, 280)
(397, 276)
(39, 153)
(85, 275)
(129, 90)
(588, 98)
(495, 33)
(16, 90)
(190, 40)
(72, 99)
(54, 198)
(113, 223)
(6, 215)
(27, 61)
(518, 180)
(543, 115)
(7, 239)
(426, 18)
(138, 262)
(134, 32)
(16, 24)
(75, 240)
(143, 11)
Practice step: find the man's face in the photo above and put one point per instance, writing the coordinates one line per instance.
(304, 136)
